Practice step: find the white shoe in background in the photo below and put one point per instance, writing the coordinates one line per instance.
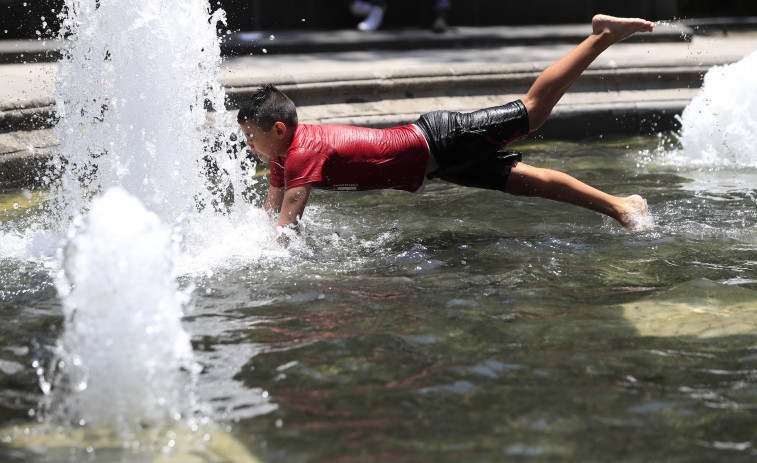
(374, 19)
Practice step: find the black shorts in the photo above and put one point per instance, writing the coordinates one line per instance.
(469, 148)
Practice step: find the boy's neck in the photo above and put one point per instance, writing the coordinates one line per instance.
(290, 135)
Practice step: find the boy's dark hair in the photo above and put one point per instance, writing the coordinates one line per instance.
(267, 106)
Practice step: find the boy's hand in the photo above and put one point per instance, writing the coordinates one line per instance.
(283, 235)
(292, 207)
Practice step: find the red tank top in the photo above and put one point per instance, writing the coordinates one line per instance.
(341, 157)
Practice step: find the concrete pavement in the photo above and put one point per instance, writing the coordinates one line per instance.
(634, 87)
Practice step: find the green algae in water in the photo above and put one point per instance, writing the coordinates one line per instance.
(16, 203)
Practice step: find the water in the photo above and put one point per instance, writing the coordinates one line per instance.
(458, 324)
(718, 126)
(433, 328)
(132, 129)
(125, 361)
(144, 170)
(138, 120)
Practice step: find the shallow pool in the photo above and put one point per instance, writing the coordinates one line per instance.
(465, 325)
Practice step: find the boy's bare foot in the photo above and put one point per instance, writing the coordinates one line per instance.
(634, 214)
(619, 28)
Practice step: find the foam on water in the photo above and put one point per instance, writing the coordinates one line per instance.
(124, 359)
(719, 126)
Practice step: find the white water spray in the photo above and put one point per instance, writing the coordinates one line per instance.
(134, 91)
(125, 361)
(719, 126)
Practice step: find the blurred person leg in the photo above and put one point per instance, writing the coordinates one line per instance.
(441, 14)
(375, 16)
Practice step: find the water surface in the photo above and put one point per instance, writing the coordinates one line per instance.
(466, 324)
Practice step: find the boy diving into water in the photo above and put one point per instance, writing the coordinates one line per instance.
(466, 149)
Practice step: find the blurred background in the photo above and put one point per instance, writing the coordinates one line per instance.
(22, 18)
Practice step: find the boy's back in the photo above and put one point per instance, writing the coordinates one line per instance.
(341, 157)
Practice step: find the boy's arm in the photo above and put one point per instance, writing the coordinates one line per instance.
(292, 207)
(273, 201)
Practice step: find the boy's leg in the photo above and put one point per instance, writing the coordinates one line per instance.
(525, 180)
(542, 97)
(552, 84)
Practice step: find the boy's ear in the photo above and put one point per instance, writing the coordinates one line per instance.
(280, 128)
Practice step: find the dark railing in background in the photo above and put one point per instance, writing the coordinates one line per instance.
(332, 14)
(21, 18)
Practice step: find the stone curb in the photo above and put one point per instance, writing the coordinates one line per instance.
(384, 99)
(314, 41)
(452, 83)
(319, 89)
(26, 165)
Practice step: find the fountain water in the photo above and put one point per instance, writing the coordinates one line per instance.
(134, 90)
(125, 361)
(719, 126)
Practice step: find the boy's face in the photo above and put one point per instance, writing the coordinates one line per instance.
(266, 145)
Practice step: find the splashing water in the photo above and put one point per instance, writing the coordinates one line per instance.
(677, 26)
(125, 361)
(719, 126)
(133, 91)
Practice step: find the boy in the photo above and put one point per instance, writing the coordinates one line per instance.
(466, 149)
